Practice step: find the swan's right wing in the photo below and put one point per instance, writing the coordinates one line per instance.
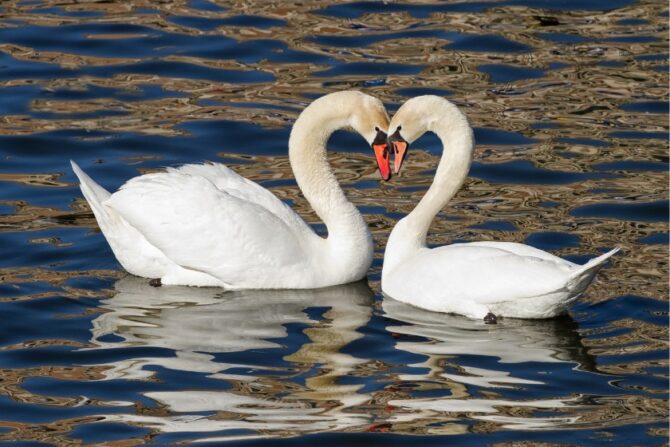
(200, 227)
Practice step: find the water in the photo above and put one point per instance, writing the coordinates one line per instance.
(569, 102)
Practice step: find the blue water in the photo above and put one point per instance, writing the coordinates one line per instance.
(569, 102)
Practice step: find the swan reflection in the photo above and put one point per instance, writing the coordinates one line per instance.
(198, 325)
(277, 383)
(522, 352)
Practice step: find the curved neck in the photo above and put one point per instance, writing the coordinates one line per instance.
(307, 154)
(457, 138)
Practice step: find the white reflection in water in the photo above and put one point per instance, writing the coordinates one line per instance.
(198, 322)
(511, 341)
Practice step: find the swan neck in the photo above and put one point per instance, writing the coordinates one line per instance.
(309, 161)
(457, 138)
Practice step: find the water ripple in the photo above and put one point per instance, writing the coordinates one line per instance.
(569, 102)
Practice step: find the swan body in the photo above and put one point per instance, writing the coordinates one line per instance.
(472, 279)
(205, 225)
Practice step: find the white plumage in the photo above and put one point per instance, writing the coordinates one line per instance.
(205, 225)
(471, 279)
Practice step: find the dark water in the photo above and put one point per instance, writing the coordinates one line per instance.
(569, 101)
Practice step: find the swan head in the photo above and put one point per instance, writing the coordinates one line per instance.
(369, 119)
(348, 109)
(414, 118)
(407, 125)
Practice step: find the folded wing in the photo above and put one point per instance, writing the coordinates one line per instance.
(203, 227)
(483, 274)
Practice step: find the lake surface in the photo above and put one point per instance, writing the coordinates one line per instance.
(569, 101)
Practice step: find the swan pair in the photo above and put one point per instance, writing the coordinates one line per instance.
(205, 225)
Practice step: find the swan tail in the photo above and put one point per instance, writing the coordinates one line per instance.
(582, 277)
(94, 194)
(130, 248)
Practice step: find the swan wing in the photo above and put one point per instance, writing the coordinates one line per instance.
(225, 179)
(207, 229)
(130, 248)
(478, 273)
(521, 250)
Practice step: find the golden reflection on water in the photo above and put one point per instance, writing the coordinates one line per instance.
(194, 322)
(581, 97)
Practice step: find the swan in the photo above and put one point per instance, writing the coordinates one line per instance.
(482, 280)
(205, 225)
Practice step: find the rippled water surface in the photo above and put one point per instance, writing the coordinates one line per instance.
(569, 101)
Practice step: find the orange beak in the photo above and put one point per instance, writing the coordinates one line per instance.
(381, 148)
(399, 149)
(383, 159)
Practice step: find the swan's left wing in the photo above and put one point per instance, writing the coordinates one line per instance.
(479, 273)
(225, 179)
(200, 227)
(520, 250)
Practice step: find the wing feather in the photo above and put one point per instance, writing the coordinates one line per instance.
(234, 184)
(204, 228)
(481, 274)
(521, 250)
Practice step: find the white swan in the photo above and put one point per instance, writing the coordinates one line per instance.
(205, 225)
(478, 279)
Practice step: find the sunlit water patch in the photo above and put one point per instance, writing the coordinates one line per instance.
(569, 102)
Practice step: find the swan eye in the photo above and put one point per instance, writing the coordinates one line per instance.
(380, 138)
